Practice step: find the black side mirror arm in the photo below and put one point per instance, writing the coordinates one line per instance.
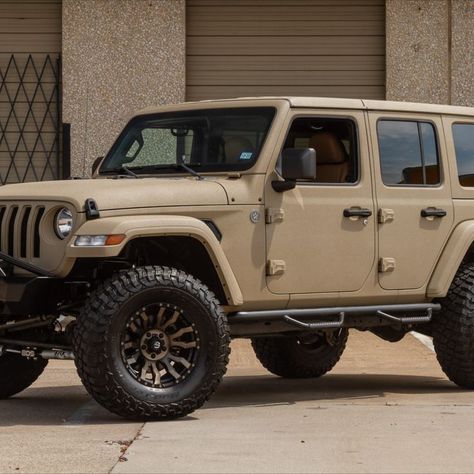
(282, 186)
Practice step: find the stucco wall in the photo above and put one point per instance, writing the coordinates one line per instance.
(117, 57)
(430, 51)
(462, 62)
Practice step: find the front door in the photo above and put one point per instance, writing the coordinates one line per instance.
(413, 196)
(321, 234)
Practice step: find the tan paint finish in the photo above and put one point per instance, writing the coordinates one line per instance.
(412, 241)
(123, 193)
(316, 242)
(328, 260)
(452, 256)
(136, 226)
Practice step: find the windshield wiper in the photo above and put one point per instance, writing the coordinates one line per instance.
(123, 170)
(129, 171)
(182, 163)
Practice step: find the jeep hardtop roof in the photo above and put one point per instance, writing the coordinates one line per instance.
(318, 102)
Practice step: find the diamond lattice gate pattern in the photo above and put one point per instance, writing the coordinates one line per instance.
(30, 109)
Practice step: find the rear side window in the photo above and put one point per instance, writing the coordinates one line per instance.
(463, 136)
(408, 153)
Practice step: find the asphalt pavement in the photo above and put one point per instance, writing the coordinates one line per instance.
(385, 408)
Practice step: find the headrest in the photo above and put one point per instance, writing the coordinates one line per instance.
(329, 149)
(235, 146)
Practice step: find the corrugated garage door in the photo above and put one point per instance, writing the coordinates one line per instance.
(281, 47)
(30, 44)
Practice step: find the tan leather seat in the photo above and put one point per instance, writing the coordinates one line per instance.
(332, 165)
(235, 146)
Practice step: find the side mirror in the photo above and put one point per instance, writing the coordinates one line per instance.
(96, 163)
(296, 163)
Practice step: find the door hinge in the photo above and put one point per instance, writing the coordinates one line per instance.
(273, 215)
(386, 215)
(275, 267)
(386, 264)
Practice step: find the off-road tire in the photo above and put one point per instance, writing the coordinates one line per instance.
(17, 373)
(285, 357)
(453, 329)
(101, 368)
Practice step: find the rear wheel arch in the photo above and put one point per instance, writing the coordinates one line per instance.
(458, 249)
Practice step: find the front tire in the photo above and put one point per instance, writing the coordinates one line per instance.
(307, 356)
(152, 343)
(453, 329)
(17, 373)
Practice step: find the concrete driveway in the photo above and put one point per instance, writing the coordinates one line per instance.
(385, 408)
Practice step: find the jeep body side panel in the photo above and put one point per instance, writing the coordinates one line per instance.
(313, 250)
(410, 241)
(134, 227)
(458, 244)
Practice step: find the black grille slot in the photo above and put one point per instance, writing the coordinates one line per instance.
(36, 234)
(2, 215)
(11, 230)
(24, 232)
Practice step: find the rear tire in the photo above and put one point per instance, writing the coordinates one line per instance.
(453, 329)
(17, 373)
(309, 356)
(152, 344)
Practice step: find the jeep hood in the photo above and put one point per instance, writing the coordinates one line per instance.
(121, 193)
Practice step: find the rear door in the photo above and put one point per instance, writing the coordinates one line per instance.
(415, 210)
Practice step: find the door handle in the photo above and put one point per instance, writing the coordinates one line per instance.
(357, 212)
(433, 212)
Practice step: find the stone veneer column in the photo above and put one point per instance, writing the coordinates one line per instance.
(462, 61)
(118, 56)
(417, 50)
(430, 51)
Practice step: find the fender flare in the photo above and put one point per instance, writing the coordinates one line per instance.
(134, 227)
(453, 253)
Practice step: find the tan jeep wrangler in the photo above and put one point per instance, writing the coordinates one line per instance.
(283, 220)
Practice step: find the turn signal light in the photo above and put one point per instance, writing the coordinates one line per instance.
(98, 240)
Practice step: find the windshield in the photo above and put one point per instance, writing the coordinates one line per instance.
(207, 140)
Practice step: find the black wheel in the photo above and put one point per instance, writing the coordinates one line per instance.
(152, 343)
(453, 329)
(311, 355)
(17, 373)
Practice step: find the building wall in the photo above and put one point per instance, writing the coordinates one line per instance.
(430, 51)
(122, 55)
(118, 57)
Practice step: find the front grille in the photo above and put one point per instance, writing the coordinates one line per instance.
(20, 230)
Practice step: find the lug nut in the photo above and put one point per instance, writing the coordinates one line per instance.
(153, 356)
(144, 347)
(148, 334)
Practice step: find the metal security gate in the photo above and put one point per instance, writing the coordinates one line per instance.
(30, 99)
(238, 48)
(30, 118)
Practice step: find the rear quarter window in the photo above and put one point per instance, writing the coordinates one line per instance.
(463, 136)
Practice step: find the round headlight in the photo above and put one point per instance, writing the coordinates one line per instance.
(63, 223)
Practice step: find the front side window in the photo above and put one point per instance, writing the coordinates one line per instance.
(408, 153)
(205, 140)
(463, 136)
(335, 143)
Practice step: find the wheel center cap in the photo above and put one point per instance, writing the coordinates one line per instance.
(154, 345)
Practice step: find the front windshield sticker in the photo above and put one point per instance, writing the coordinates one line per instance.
(246, 155)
